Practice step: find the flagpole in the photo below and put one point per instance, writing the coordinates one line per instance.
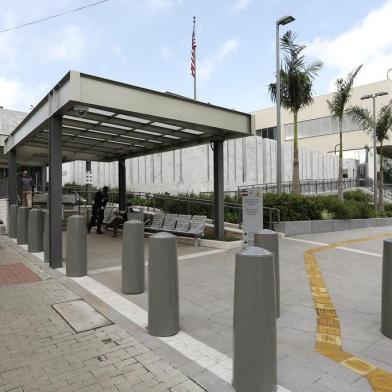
(194, 77)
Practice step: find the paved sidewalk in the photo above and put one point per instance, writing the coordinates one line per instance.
(39, 351)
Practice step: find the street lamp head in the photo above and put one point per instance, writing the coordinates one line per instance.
(367, 96)
(380, 94)
(285, 20)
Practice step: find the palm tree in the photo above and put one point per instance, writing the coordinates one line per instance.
(296, 88)
(337, 107)
(382, 126)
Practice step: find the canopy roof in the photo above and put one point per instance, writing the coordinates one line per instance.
(105, 120)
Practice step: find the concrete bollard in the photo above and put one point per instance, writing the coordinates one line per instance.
(46, 237)
(386, 296)
(22, 221)
(269, 240)
(133, 258)
(254, 328)
(76, 251)
(35, 232)
(12, 225)
(163, 301)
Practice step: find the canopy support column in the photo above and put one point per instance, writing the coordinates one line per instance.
(55, 192)
(219, 196)
(122, 186)
(12, 180)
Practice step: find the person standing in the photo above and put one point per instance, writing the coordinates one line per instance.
(27, 186)
(98, 210)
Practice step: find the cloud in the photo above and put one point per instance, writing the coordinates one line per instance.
(207, 66)
(370, 43)
(240, 5)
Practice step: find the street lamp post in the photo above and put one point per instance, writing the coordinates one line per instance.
(282, 21)
(373, 97)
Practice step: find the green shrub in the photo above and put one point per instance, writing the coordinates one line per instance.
(356, 195)
(294, 207)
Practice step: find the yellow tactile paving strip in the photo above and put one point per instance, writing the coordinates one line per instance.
(328, 337)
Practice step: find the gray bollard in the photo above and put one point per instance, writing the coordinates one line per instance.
(386, 296)
(22, 220)
(35, 232)
(133, 258)
(269, 240)
(76, 256)
(46, 237)
(163, 301)
(254, 328)
(12, 225)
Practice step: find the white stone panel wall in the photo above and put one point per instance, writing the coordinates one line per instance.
(248, 160)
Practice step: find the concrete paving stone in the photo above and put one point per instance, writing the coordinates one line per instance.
(42, 351)
(295, 376)
(206, 291)
(379, 352)
(187, 387)
(335, 384)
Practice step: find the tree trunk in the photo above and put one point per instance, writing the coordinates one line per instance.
(381, 182)
(340, 175)
(296, 183)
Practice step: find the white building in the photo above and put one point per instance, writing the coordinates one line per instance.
(318, 131)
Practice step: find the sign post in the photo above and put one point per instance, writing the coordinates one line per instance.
(252, 214)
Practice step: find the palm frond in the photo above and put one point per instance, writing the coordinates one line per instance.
(296, 75)
(362, 116)
(342, 95)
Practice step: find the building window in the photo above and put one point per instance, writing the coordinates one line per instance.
(319, 127)
(267, 133)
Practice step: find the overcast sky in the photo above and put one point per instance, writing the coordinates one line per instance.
(148, 43)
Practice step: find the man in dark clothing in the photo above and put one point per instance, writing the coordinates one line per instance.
(98, 210)
(27, 186)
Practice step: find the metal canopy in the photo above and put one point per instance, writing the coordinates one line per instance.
(105, 120)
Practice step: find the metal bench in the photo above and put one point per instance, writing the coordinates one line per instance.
(157, 222)
(183, 223)
(135, 213)
(170, 222)
(191, 228)
(197, 225)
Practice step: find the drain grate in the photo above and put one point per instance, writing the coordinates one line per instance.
(80, 315)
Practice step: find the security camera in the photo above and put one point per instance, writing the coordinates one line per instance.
(81, 110)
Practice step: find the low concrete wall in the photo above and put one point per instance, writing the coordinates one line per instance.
(4, 213)
(324, 226)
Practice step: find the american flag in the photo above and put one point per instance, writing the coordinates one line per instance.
(193, 56)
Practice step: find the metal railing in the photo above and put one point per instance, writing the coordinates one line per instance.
(233, 211)
(307, 186)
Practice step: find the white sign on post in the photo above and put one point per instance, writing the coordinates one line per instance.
(252, 214)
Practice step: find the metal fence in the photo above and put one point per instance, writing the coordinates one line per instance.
(308, 186)
(188, 205)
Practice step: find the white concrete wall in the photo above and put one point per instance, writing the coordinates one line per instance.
(4, 211)
(250, 160)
